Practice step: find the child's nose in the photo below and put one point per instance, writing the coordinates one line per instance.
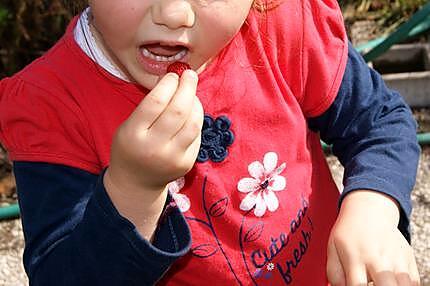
(173, 13)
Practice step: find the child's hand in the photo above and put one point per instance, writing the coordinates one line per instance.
(365, 244)
(160, 140)
(157, 144)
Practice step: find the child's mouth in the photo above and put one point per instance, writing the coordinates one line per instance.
(164, 53)
(155, 58)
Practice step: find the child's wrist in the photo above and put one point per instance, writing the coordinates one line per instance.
(376, 206)
(126, 182)
(141, 206)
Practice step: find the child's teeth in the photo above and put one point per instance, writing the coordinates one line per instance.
(158, 58)
(146, 53)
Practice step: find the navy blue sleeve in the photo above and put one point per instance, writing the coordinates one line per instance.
(373, 133)
(75, 236)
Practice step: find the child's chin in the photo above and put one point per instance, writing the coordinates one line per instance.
(148, 81)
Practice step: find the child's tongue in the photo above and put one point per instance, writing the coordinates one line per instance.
(166, 51)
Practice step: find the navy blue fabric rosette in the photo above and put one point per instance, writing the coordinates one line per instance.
(216, 137)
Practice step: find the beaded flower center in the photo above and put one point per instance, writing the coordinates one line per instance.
(216, 137)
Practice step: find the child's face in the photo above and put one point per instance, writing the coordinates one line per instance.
(133, 32)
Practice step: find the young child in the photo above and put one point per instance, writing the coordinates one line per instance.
(128, 175)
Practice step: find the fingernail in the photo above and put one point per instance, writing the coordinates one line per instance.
(191, 74)
(172, 75)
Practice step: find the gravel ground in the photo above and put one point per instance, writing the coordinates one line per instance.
(11, 248)
(11, 238)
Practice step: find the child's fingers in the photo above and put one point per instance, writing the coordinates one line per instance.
(355, 273)
(413, 270)
(382, 274)
(335, 273)
(352, 264)
(178, 110)
(192, 127)
(155, 102)
(403, 279)
(402, 272)
(390, 272)
(345, 260)
(192, 152)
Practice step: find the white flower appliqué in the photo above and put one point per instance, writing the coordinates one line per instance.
(262, 186)
(182, 201)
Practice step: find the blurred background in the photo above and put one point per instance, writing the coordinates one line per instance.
(29, 27)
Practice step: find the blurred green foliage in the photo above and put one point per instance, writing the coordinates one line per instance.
(384, 5)
(387, 12)
(27, 29)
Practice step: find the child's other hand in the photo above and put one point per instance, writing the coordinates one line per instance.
(365, 244)
(160, 140)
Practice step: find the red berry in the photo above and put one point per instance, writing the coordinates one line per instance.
(178, 67)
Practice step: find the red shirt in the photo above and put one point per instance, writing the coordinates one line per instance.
(284, 66)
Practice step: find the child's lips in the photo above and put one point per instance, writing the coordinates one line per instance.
(157, 63)
(163, 50)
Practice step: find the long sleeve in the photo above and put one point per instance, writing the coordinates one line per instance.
(373, 133)
(75, 236)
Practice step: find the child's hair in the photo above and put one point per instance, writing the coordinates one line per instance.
(76, 6)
